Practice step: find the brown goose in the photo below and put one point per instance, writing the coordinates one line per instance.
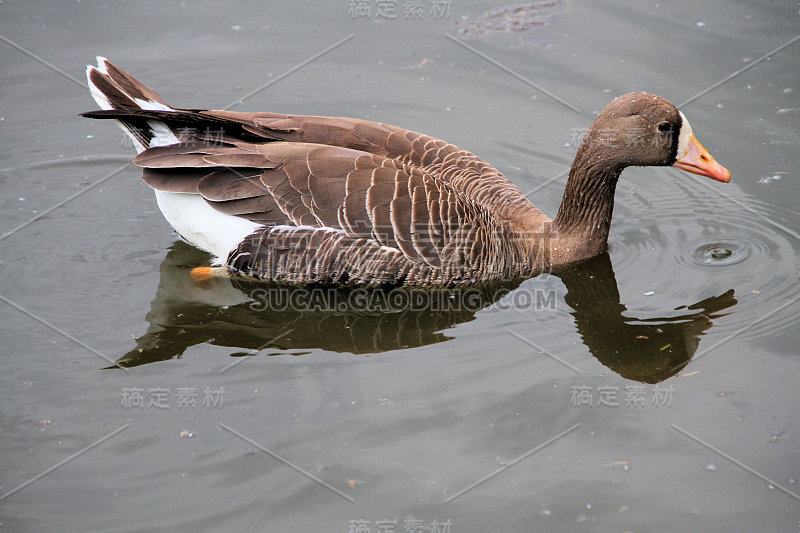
(345, 201)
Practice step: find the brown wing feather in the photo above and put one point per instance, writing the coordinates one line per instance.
(261, 209)
(182, 180)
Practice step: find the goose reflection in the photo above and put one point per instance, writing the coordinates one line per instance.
(648, 350)
(271, 318)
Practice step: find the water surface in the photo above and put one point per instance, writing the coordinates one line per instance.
(693, 309)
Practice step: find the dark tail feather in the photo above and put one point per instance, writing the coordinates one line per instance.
(114, 89)
(150, 122)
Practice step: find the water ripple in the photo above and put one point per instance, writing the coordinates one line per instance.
(681, 246)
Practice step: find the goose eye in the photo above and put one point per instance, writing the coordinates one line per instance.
(665, 127)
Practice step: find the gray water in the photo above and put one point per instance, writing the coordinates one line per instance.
(337, 417)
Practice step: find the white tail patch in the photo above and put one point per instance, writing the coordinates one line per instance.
(162, 135)
(102, 64)
(152, 106)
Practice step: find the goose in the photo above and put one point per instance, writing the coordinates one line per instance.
(350, 202)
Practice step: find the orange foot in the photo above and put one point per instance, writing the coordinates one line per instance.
(207, 273)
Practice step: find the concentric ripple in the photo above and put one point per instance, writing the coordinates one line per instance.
(717, 254)
(673, 245)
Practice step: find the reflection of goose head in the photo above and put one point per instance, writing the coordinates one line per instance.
(257, 317)
(650, 349)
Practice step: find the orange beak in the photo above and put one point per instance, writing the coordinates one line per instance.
(698, 161)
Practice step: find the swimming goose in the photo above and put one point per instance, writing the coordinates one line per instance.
(343, 201)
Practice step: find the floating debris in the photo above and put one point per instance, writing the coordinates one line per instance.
(513, 18)
(777, 436)
(767, 179)
(622, 464)
(186, 434)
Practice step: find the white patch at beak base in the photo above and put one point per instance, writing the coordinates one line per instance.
(684, 137)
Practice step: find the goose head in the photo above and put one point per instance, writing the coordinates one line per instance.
(641, 129)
